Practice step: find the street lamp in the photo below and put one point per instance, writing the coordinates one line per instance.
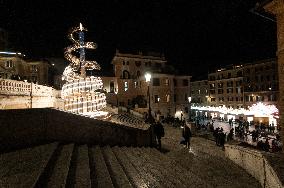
(148, 79)
(116, 97)
(189, 114)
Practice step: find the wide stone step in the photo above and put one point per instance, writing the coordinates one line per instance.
(164, 168)
(100, 174)
(215, 170)
(116, 171)
(82, 177)
(151, 179)
(23, 168)
(190, 179)
(133, 174)
(60, 171)
(155, 170)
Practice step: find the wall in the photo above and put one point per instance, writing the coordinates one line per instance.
(255, 164)
(30, 126)
(18, 94)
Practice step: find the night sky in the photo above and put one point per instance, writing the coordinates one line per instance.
(195, 35)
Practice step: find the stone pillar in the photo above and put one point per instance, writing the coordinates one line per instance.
(276, 7)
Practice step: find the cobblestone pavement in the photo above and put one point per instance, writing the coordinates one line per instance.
(206, 160)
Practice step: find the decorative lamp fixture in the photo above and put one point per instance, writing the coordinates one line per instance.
(148, 77)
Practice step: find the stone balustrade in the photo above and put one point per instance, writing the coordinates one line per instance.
(19, 94)
(14, 87)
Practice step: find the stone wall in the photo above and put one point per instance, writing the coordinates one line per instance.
(255, 164)
(31, 126)
(18, 94)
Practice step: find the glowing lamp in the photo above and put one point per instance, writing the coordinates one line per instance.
(148, 77)
(189, 99)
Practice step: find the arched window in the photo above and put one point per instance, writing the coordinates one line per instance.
(125, 74)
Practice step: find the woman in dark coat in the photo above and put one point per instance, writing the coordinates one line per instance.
(186, 133)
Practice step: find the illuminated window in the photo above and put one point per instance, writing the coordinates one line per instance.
(156, 98)
(167, 82)
(125, 86)
(9, 63)
(168, 98)
(135, 84)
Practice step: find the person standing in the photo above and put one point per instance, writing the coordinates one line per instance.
(159, 133)
(187, 135)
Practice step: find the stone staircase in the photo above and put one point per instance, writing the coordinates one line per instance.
(129, 120)
(73, 165)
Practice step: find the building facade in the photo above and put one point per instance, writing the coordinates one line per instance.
(239, 86)
(261, 82)
(168, 92)
(200, 93)
(14, 66)
(226, 87)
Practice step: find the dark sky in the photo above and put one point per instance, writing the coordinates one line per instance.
(195, 35)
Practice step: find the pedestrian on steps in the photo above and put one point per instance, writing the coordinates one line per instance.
(186, 133)
(159, 133)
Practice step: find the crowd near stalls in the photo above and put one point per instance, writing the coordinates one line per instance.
(262, 136)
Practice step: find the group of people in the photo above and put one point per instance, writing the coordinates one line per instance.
(159, 132)
(276, 145)
(220, 137)
(258, 135)
(241, 131)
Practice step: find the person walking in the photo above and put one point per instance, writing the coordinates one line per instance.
(187, 135)
(159, 133)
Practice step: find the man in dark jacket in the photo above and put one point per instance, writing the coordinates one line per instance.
(186, 133)
(159, 133)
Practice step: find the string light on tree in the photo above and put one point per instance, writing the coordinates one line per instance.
(81, 93)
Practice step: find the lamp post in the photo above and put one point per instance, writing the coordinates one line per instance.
(148, 79)
(31, 94)
(189, 112)
(116, 98)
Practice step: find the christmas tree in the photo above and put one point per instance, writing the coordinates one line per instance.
(82, 94)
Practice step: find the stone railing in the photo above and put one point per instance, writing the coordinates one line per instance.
(254, 163)
(13, 87)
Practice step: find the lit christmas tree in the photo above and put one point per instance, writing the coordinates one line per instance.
(81, 93)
